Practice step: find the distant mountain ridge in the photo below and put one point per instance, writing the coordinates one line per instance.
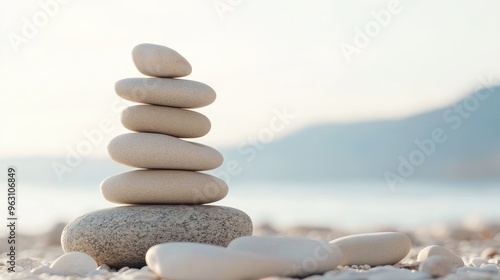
(467, 147)
(459, 142)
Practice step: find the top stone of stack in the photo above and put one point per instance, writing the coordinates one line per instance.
(159, 61)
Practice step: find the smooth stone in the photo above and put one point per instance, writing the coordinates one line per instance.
(163, 187)
(166, 92)
(490, 252)
(166, 120)
(160, 61)
(121, 236)
(308, 256)
(73, 263)
(435, 250)
(478, 261)
(437, 266)
(159, 151)
(383, 248)
(191, 261)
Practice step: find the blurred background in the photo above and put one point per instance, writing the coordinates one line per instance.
(345, 114)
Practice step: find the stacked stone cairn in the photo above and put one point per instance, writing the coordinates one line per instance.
(165, 196)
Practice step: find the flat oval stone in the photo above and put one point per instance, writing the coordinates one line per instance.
(208, 262)
(383, 248)
(163, 187)
(166, 92)
(121, 236)
(436, 250)
(159, 151)
(159, 61)
(307, 256)
(166, 120)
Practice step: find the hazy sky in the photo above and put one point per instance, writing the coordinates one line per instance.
(59, 62)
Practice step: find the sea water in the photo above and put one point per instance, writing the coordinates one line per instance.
(346, 205)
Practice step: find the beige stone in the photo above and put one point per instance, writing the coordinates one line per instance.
(73, 263)
(490, 252)
(163, 187)
(159, 61)
(436, 250)
(166, 120)
(159, 151)
(381, 248)
(206, 262)
(166, 92)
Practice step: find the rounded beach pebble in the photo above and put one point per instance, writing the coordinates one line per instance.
(166, 120)
(121, 236)
(166, 92)
(163, 187)
(73, 263)
(437, 266)
(159, 151)
(383, 248)
(308, 256)
(159, 61)
(206, 262)
(435, 250)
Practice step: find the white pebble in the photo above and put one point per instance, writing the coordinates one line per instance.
(159, 61)
(97, 272)
(41, 269)
(309, 256)
(437, 266)
(477, 261)
(74, 263)
(435, 250)
(381, 248)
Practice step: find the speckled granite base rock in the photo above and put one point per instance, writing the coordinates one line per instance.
(121, 236)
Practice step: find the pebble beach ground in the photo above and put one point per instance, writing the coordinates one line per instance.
(479, 248)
